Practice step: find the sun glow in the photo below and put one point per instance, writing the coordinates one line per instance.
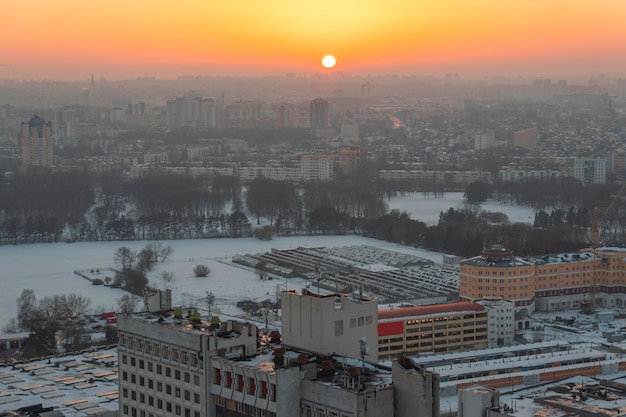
(329, 61)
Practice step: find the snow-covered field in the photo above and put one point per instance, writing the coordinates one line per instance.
(48, 269)
(427, 209)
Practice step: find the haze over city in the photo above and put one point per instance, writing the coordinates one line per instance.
(69, 40)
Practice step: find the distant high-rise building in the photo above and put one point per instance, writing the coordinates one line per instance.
(590, 170)
(484, 140)
(65, 126)
(320, 114)
(37, 142)
(316, 167)
(616, 165)
(350, 159)
(193, 112)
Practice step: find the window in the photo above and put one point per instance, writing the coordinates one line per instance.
(177, 392)
(125, 392)
(196, 379)
(251, 386)
(177, 374)
(352, 323)
(159, 386)
(196, 398)
(141, 363)
(159, 404)
(168, 371)
(177, 409)
(361, 321)
(240, 383)
(168, 389)
(142, 398)
(133, 379)
(150, 383)
(132, 362)
(124, 359)
(217, 376)
(151, 401)
(133, 395)
(124, 376)
(187, 395)
(159, 370)
(149, 366)
(338, 327)
(168, 407)
(141, 381)
(187, 377)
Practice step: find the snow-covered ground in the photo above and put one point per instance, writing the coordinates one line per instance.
(427, 209)
(48, 269)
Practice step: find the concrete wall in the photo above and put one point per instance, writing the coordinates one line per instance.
(323, 324)
(415, 390)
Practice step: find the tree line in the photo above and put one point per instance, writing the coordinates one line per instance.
(160, 207)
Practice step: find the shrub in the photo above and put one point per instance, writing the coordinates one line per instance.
(97, 281)
(201, 270)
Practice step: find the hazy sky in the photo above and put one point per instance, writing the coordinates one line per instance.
(70, 39)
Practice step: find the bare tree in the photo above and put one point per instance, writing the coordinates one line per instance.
(146, 259)
(161, 252)
(128, 304)
(168, 278)
(26, 307)
(77, 305)
(201, 270)
(125, 257)
(210, 300)
(12, 326)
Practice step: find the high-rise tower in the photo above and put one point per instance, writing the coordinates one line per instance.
(37, 142)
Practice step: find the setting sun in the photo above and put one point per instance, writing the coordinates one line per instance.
(66, 38)
(329, 61)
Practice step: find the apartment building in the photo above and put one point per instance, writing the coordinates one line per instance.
(316, 167)
(174, 364)
(590, 170)
(37, 143)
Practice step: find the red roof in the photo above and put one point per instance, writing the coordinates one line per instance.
(429, 310)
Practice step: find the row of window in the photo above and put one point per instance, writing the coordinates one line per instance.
(222, 403)
(177, 410)
(159, 350)
(240, 383)
(158, 369)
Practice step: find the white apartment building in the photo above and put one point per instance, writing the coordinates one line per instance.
(316, 167)
(500, 320)
(590, 170)
(165, 367)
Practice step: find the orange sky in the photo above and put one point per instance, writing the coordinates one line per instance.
(70, 39)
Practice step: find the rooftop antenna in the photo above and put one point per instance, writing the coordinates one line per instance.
(364, 350)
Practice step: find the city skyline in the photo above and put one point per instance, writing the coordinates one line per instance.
(69, 40)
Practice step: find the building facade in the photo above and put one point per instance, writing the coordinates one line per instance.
(37, 143)
(319, 113)
(546, 283)
(590, 170)
(316, 167)
(432, 328)
(329, 323)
